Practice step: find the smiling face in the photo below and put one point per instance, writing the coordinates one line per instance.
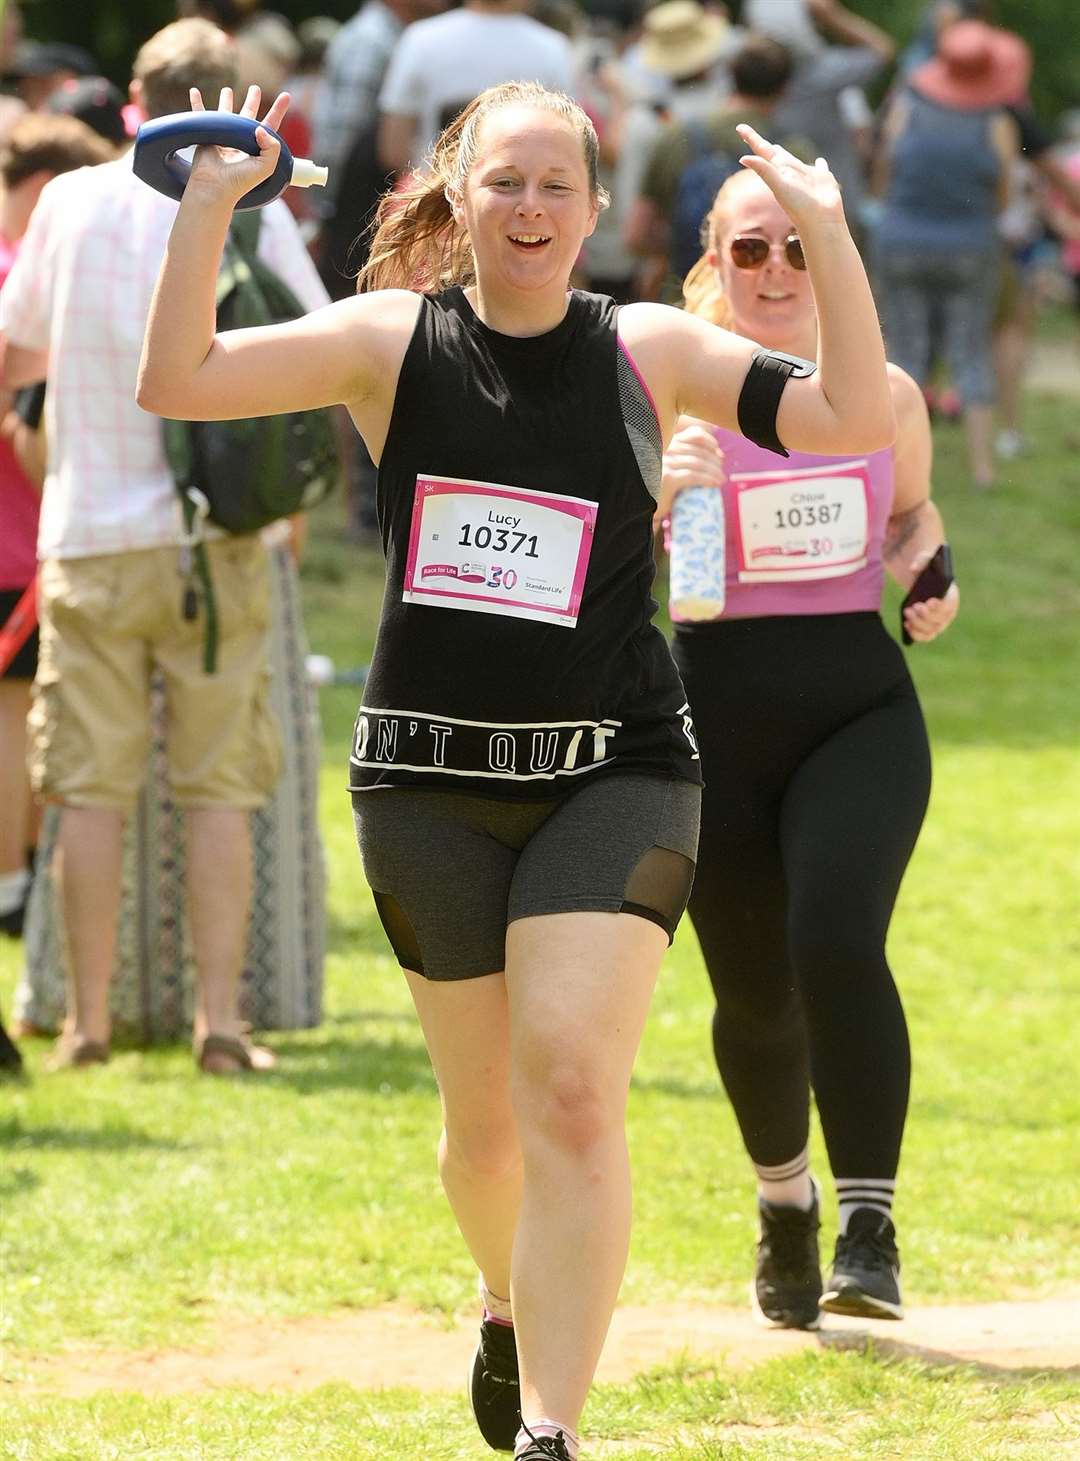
(527, 204)
(773, 304)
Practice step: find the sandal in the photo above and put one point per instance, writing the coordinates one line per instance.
(75, 1050)
(244, 1055)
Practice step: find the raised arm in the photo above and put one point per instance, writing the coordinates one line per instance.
(342, 353)
(696, 369)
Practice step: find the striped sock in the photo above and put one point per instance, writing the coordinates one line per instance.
(855, 1192)
(534, 1430)
(787, 1185)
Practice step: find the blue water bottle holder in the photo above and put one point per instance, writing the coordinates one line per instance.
(158, 143)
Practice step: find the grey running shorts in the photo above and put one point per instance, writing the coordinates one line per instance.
(450, 871)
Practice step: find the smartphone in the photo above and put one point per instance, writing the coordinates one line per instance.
(932, 583)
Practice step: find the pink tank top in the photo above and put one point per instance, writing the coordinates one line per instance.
(803, 534)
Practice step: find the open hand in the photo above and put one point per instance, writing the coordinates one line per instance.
(804, 192)
(225, 172)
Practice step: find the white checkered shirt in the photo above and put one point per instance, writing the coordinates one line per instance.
(81, 288)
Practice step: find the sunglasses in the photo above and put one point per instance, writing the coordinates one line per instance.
(750, 252)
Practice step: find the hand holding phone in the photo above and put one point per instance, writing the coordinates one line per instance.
(933, 582)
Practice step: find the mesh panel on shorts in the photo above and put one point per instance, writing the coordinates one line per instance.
(641, 424)
(399, 931)
(659, 886)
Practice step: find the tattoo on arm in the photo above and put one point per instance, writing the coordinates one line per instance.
(900, 531)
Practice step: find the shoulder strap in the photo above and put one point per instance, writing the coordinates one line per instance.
(244, 231)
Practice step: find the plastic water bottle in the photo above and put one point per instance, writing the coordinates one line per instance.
(157, 143)
(697, 554)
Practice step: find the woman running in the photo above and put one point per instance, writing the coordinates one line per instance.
(817, 774)
(524, 777)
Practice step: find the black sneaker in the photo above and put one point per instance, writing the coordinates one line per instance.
(543, 1448)
(865, 1279)
(787, 1283)
(493, 1386)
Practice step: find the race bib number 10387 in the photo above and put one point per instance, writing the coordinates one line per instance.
(803, 524)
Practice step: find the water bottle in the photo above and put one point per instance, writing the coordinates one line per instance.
(697, 554)
(157, 142)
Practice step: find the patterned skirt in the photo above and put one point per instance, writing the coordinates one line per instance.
(151, 995)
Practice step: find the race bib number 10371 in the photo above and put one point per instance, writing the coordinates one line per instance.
(498, 550)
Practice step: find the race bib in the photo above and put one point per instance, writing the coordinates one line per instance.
(498, 550)
(807, 523)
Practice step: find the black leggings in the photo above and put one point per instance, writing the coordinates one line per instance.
(817, 775)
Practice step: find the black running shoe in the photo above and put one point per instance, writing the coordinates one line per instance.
(787, 1284)
(493, 1386)
(865, 1280)
(543, 1448)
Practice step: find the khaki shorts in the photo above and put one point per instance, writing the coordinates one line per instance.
(106, 622)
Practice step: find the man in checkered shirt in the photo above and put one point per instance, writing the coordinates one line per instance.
(74, 308)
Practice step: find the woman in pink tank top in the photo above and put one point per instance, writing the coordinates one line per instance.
(817, 775)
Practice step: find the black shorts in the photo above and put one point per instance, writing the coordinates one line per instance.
(24, 665)
(451, 871)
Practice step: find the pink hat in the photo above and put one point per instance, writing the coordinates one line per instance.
(977, 65)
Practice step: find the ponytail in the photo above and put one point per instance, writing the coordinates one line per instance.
(416, 244)
(416, 241)
(703, 294)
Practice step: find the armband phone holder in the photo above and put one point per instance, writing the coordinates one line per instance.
(158, 142)
(759, 399)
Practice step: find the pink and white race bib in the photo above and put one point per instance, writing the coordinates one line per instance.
(803, 524)
(498, 550)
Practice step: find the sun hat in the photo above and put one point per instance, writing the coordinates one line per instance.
(977, 65)
(682, 38)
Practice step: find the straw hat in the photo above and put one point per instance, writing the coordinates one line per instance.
(977, 65)
(682, 38)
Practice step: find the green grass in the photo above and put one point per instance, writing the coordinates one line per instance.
(806, 1406)
(142, 1206)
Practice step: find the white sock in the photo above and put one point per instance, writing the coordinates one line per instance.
(13, 889)
(787, 1185)
(546, 1427)
(494, 1307)
(856, 1192)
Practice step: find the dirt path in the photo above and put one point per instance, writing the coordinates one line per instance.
(398, 1347)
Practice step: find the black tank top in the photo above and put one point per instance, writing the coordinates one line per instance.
(478, 682)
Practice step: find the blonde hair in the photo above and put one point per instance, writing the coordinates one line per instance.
(416, 242)
(703, 291)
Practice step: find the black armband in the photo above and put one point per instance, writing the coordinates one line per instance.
(759, 399)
